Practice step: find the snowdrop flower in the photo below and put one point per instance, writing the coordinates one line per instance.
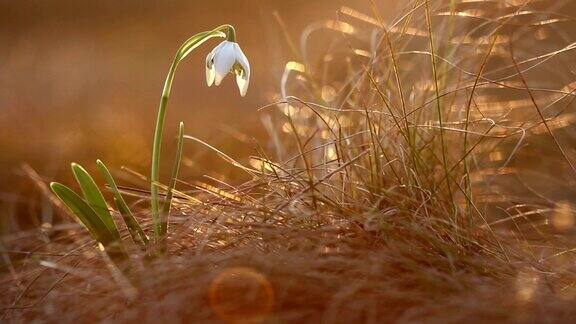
(226, 58)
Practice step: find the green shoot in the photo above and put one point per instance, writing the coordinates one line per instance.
(93, 196)
(173, 178)
(136, 232)
(97, 228)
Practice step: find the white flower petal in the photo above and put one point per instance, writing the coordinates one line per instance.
(224, 59)
(244, 79)
(210, 72)
(217, 48)
(242, 83)
(242, 59)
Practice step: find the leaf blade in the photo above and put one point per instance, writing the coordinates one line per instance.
(138, 235)
(93, 196)
(173, 178)
(85, 214)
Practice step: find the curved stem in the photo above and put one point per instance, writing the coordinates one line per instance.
(229, 33)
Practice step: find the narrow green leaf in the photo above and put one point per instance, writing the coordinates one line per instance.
(138, 235)
(173, 179)
(93, 196)
(85, 214)
(134, 233)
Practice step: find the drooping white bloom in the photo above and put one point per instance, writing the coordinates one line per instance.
(226, 58)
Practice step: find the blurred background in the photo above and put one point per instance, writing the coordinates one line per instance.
(81, 80)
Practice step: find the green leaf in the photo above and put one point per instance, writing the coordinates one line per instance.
(173, 178)
(136, 232)
(85, 214)
(137, 236)
(93, 196)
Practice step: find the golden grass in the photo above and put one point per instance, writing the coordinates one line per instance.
(408, 178)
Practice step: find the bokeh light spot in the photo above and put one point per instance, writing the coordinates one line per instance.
(241, 295)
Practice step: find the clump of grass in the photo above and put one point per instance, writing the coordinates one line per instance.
(397, 187)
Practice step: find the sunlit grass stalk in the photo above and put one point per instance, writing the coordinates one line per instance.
(468, 183)
(411, 134)
(539, 111)
(303, 155)
(438, 105)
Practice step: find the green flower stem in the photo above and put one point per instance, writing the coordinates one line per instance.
(224, 31)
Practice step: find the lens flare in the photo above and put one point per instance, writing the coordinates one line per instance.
(241, 295)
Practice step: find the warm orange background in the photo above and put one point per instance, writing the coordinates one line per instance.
(81, 80)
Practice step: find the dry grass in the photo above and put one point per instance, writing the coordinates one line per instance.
(409, 178)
